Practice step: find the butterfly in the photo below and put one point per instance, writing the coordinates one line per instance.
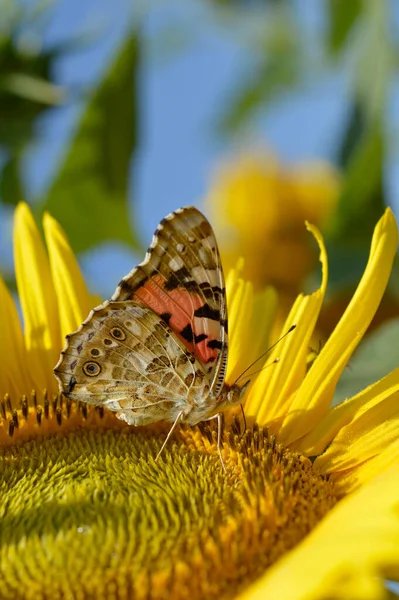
(157, 350)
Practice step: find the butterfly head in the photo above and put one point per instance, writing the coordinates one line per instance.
(235, 393)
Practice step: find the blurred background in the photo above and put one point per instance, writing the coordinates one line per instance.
(263, 113)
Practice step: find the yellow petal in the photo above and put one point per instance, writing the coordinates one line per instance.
(312, 400)
(250, 320)
(348, 481)
(268, 397)
(14, 376)
(232, 278)
(347, 412)
(260, 323)
(74, 301)
(38, 299)
(346, 555)
(363, 438)
(240, 304)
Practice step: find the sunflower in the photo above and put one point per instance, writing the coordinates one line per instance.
(308, 508)
(258, 206)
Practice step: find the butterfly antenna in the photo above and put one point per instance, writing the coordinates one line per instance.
(275, 361)
(264, 353)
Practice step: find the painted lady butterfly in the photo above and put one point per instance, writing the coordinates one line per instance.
(157, 350)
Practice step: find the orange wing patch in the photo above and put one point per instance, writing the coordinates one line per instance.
(181, 280)
(195, 323)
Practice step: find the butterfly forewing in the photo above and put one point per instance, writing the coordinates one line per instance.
(127, 358)
(181, 279)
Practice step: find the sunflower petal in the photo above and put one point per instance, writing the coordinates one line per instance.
(38, 299)
(363, 438)
(232, 277)
(347, 412)
(261, 322)
(240, 303)
(250, 320)
(348, 481)
(74, 301)
(14, 376)
(345, 556)
(314, 396)
(267, 399)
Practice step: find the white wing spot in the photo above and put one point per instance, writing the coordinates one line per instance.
(176, 263)
(112, 405)
(134, 327)
(136, 311)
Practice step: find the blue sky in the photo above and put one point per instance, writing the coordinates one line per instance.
(182, 93)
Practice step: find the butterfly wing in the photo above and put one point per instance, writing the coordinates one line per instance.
(128, 359)
(181, 280)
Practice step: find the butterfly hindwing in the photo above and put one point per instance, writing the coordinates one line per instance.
(181, 279)
(128, 359)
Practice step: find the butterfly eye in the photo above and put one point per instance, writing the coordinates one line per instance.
(92, 369)
(118, 333)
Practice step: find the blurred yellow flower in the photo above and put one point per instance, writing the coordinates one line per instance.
(258, 208)
(87, 513)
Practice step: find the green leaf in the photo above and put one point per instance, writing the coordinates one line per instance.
(32, 88)
(90, 194)
(11, 191)
(26, 91)
(345, 267)
(355, 128)
(377, 356)
(277, 69)
(342, 16)
(274, 76)
(374, 53)
(362, 201)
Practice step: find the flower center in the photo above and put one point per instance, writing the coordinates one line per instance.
(90, 514)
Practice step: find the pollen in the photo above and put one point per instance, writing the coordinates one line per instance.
(90, 514)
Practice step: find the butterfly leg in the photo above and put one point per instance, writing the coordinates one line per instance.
(245, 421)
(169, 434)
(220, 423)
(219, 417)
